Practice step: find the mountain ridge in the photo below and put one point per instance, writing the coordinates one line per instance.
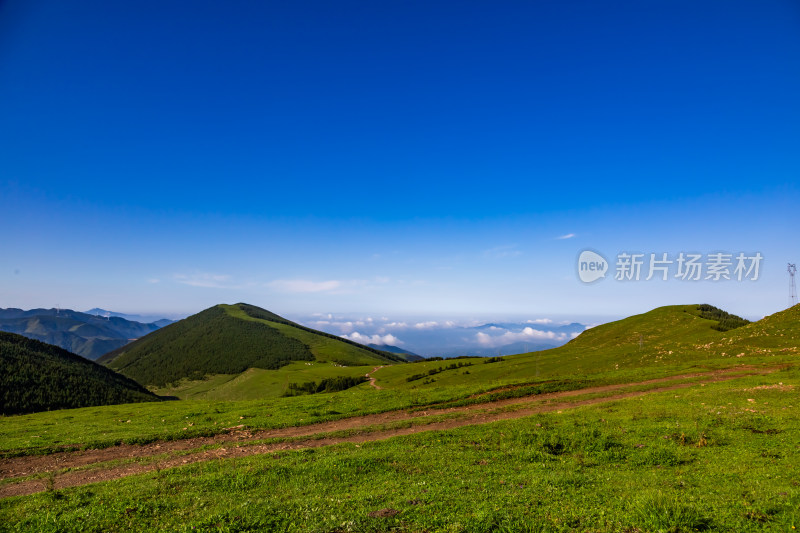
(144, 319)
(84, 334)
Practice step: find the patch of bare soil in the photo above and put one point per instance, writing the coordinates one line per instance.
(163, 455)
(778, 386)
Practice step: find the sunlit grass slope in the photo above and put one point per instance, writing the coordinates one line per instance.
(256, 383)
(773, 335)
(669, 337)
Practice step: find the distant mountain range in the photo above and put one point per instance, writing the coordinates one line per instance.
(158, 320)
(84, 334)
(229, 339)
(35, 376)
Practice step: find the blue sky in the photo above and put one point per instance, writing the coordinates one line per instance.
(393, 157)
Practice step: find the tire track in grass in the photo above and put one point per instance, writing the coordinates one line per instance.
(236, 444)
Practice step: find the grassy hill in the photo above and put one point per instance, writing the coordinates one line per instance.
(225, 341)
(658, 334)
(693, 332)
(773, 335)
(665, 336)
(35, 376)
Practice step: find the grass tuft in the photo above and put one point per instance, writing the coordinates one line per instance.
(667, 514)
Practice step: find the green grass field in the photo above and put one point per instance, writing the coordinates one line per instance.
(599, 356)
(257, 383)
(720, 457)
(712, 457)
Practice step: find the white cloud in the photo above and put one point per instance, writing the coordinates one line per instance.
(567, 236)
(153, 280)
(483, 338)
(304, 285)
(373, 339)
(206, 280)
(333, 286)
(540, 321)
(430, 324)
(527, 334)
(344, 327)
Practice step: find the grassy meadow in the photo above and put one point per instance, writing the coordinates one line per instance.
(716, 456)
(255, 383)
(719, 457)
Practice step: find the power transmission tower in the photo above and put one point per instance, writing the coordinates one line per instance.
(793, 297)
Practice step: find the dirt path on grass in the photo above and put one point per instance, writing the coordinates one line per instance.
(372, 379)
(88, 466)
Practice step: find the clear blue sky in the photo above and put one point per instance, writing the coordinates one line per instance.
(393, 157)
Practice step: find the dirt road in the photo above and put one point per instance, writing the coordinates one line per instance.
(372, 379)
(69, 469)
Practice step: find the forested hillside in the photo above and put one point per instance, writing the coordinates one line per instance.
(35, 376)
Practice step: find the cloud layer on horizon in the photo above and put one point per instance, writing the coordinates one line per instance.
(443, 336)
(527, 334)
(373, 339)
